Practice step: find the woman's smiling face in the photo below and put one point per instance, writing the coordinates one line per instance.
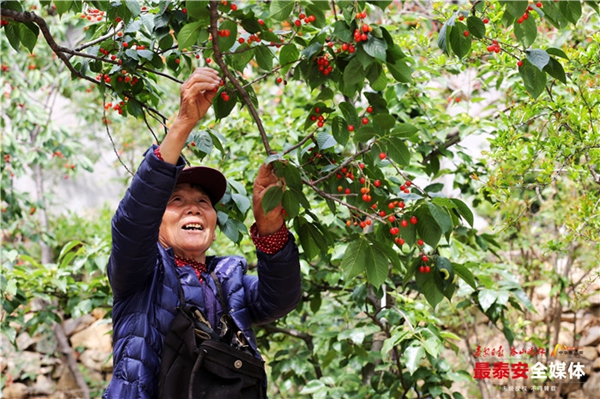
(189, 223)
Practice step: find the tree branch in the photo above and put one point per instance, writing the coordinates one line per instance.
(452, 138)
(218, 55)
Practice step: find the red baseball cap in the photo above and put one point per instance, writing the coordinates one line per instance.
(212, 181)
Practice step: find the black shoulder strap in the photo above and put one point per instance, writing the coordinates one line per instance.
(219, 292)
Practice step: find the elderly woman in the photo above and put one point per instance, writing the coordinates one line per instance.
(161, 231)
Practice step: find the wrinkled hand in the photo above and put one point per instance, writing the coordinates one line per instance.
(196, 95)
(272, 221)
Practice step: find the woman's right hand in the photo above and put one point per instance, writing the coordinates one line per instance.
(196, 96)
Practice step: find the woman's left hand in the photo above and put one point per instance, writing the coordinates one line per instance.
(272, 221)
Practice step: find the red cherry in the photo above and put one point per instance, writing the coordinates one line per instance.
(400, 241)
(365, 120)
(422, 269)
(347, 191)
(413, 220)
(404, 223)
(486, 20)
(391, 218)
(425, 258)
(377, 183)
(297, 22)
(519, 63)
(466, 33)
(365, 28)
(208, 60)
(427, 269)
(233, 7)
(420, 242)
(382, 155)
(350, 128)
(261, 22)
(279, 80)
(394, 231)
(370, 109)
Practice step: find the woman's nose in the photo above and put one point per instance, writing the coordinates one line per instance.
(194, 209)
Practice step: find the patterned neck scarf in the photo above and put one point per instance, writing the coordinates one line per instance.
(198, 267)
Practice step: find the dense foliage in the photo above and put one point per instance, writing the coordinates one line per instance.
(364, 107)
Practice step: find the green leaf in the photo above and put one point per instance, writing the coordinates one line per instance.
(476, 27)
(221, 107)
(443, 37)
(427, 227)
(354, 261)
(290, 174)
(188, 35)
(197, 9)
(62, 6)
(290, 204)
(225, 42)
(28, 33)
(555, 69)
(404, 130)
(272, 198)
(464, 273)
(593, 4)
(433, 346)
(242, 57)
(134, 107)
(464, 211)
(400, 70)
(460, 44)
(264, 57)
(134, 7)
(515, 8)
(354, 73)
(397, 150)
(288, 54)
(441, 217)
(377, 266)
(376, 48)
(526, 32)
(364, 134)
(342, 32)
(487, 297)
(413, 355)
(538, 57)
(384, 121)
(68, 248)
(280, 10)
(533, 79)
(314, 9)
(557, 52)
(13, 34)
(349, 113)
(241, 202)
(325, 140)
(571, 10)
(311, 239)
(377, 78)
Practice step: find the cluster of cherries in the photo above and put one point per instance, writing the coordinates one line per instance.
(118, 107)
(93, 14)
(324, 64)
(525, 16)
(303, 17)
